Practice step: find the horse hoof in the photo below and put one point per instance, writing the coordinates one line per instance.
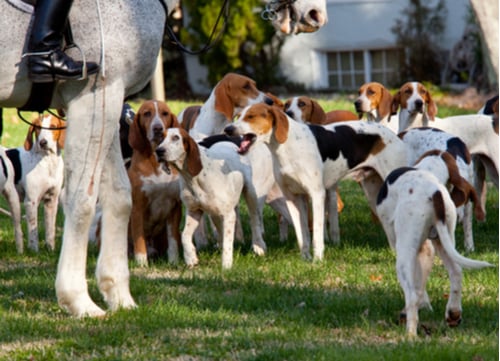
(454, 318)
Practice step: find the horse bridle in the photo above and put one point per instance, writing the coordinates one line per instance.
(273, 7)
(212, 39)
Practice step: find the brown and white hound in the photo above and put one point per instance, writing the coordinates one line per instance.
(156, 206)
(308, 110)
(375, 101)
(418, 215)
(203, 171)
(39, 170)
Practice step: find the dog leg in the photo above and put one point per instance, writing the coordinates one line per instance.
(453, 313)
(31, 209)
(318, 204)
(467, 226)
(297, 208)
(50, 215)
(333, 215)
(173, 233)
(12, 197)
(258, 245)
(228, 227)
(191, 223)
(425, 262)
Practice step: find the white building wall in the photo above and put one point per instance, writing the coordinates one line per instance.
(355, 25)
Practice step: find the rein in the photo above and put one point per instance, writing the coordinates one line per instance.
(223, 13)
(39, 126)
(273, 7)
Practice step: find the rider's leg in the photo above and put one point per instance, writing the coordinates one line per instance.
(47, 61)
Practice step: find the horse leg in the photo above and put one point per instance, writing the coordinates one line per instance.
(112, 271)
(86, 147)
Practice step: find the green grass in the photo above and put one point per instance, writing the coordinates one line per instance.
(277, 307)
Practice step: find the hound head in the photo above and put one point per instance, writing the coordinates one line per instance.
(180, 149)
(234, 92)
(296, 16)
(374, 100)
(150, 125)
(259, 122)
(46, 135)
(306, 110)
(416, 105)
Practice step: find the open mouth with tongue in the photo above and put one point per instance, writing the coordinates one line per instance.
(246, 142)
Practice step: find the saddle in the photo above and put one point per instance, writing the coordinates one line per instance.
(41, 93)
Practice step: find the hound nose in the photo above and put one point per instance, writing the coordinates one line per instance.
(157, 129)
(160, 153)
(315, 18)
(357, 105)
(290, 114)
(419, 105)
(229, 130)
(43, 143)
(268, 101)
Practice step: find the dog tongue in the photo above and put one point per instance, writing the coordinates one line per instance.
(244, 146)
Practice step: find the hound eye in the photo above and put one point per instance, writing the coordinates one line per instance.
(147, 114)
(175, 138)
(247, 86)
(370, 92)
(408, 91)
(301, 104)
(287, 105)
(165, 114)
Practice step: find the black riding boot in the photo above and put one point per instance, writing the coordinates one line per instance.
(47, 61)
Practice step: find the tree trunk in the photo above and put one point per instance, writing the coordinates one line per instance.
(487, 17)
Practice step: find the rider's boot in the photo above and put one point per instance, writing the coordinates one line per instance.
(46, 59)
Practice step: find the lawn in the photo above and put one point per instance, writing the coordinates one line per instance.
(277, 307)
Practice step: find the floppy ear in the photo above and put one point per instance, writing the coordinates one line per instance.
(280, 123)
(223, 103)
(137, 138)
(62, 135)
(193, 160)
(175, 122)
(431, 107)
(462, 190)
(318, 115)
(396, 101)
(28, 142)
(385, 106)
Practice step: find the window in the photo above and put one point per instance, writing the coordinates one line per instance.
(348, 70)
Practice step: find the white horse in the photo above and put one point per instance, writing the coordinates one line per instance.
(124, 36)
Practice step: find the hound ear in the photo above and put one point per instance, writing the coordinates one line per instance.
(396, 102)
(223, 103)
(193, 160)
(28, 142)
(431, 107)
(137, 138)
(318, 115)
(385, 105)
(175, 121)
(62, 136)
(280, 125)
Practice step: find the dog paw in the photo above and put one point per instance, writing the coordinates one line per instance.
(454, 318)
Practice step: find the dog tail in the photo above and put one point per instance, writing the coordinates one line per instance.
(446, 235)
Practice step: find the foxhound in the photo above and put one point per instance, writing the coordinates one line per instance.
(229, 96)
(376, 102)
(422, 140)
(308, 159)
(477, 131)
(39, 174)
(308, 110)
(414, 205)
(8, 189)
(202, 173)
(156, 206)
